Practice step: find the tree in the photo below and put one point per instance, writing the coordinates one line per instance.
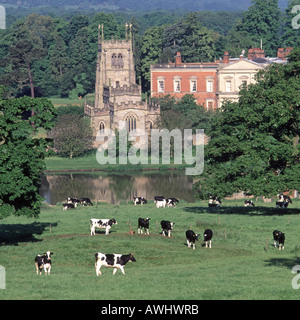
(24, 49)
(72, 135)
(290, 35)
(261, 21)
(22, 154)
(254, 145)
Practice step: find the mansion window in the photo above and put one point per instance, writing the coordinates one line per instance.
(209, 86)
(161, 86)
(193, 85)
(228, 86)
(177, 86)
(210, 104)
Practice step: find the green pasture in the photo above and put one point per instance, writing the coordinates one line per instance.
(242, 263)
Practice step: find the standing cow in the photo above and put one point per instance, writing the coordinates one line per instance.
(102, 224)
(279, 238)
(191, 237)
(207, 237)
(167, 226)
(116, 261)
(43, 261)
(143, 223)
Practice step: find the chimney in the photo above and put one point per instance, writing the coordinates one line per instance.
(255, 53)
(178, 61)
(226, 57)
(280, 53)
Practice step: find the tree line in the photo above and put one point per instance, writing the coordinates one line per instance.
(43, 56)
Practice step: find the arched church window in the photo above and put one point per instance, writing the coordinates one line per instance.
(101, 127)
(120, 61)
(131, 121)
(114, 60)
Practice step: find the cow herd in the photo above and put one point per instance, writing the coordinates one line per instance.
(118, 261)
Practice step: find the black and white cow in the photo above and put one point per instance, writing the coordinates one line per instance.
(207, 237)
(139, 200)
(214, 201)
(160, 201)
(248, 203)
(43, 261)
(86, 202)
(279, 238)
(116, 261)
(283, 201)
(191, 237)
(171, 202)
(102, 224)
(73, 200)
(143, 223)
(68, 206)
(167, 226)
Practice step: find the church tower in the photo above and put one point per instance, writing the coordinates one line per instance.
(117, 95)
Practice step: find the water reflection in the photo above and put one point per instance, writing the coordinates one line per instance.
(116, 188)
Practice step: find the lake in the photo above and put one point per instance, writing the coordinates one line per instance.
(116, 188)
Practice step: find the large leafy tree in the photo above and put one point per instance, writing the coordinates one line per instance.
(22, 154)
(254, 144)
(261, 21)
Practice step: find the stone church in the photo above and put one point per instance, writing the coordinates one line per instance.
(117, 95)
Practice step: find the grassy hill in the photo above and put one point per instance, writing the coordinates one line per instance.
(242, 263)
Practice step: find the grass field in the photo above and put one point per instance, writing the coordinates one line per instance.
(242, 263)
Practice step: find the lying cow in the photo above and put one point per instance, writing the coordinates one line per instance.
(248, 203)
(86, 202)
(143, 223)
(283, 201)
(207, 237)
(167, 226)
(116, 261)
(43, 261)
(191, 237)
(139, 200)
(102, 224)
(68, 206)
(279, 238)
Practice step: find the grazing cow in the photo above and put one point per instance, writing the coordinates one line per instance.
(171, 202)
(143, 223)
(214, 201)
(283, 201)
(102, 224)
(248, 203)
(139, 200)
(167, 226)
(86, 202)
(116, 261)
(43, 261)
(207, 237)
(191, 237)
(279, 239)
(68, 206)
